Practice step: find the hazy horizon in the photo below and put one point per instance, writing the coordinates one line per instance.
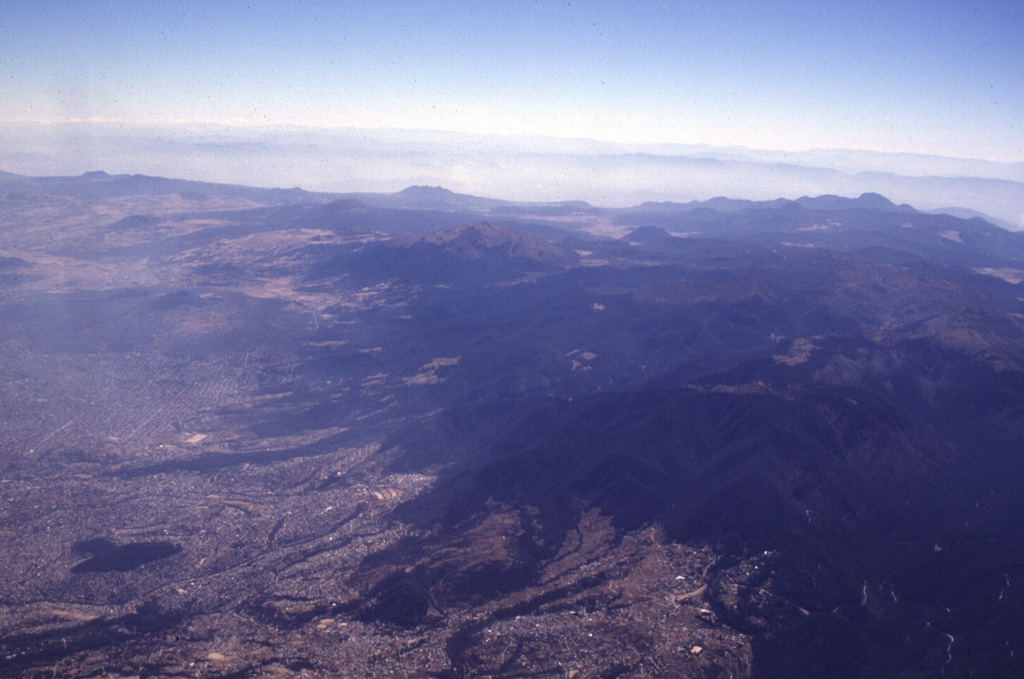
(943, 78)
(510, 167)
(593, 101)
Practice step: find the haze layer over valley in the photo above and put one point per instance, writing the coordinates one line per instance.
(271, 432)
(527, 168)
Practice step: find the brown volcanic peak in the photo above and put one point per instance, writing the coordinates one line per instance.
(476, 241)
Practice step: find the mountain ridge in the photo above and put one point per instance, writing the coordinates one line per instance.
(98, 184)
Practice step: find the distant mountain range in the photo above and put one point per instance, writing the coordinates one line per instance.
(523, 169)
(100, 185)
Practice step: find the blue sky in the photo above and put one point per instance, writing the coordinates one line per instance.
(944, 78)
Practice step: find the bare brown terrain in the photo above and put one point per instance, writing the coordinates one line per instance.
(149, 443)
